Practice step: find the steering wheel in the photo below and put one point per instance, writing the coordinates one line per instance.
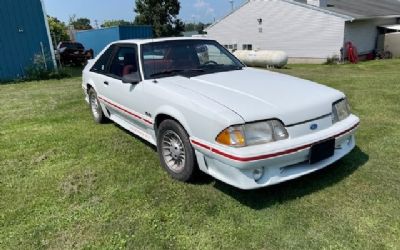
(210, 62)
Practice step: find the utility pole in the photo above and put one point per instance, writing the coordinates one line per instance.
(232, 4)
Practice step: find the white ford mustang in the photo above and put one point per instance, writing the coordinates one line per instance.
(204, 110)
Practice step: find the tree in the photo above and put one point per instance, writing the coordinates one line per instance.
(80, 23)
(199, 27)
(58, 30)
(162, 15)
(113, 23)
(190, 27)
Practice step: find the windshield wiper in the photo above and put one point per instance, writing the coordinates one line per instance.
(237, 67)
(175, 71)
(214, 67)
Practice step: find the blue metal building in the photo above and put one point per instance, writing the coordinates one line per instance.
(24, 33)
(99, 38)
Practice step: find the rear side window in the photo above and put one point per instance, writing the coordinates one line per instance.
(101, 64)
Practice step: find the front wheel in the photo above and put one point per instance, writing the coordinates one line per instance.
(175, 151)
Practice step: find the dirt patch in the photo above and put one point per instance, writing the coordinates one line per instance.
(78, 183)
(76, 238)
(43, 157)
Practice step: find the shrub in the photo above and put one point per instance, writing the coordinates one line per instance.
(332, 60)
(40, 70)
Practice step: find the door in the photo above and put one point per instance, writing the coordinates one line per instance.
(99, 72)
(125, 100)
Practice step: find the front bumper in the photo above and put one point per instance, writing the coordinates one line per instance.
(279, 161)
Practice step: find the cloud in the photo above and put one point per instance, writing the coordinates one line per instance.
(202, 5)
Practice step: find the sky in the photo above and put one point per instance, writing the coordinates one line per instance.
(100, 10)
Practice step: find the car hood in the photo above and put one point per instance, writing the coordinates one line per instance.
(256, 94)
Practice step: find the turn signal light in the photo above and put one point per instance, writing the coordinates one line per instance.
(232, 136)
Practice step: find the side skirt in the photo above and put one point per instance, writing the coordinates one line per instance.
(132, 128)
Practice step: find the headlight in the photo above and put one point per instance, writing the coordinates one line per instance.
(340, 110)
(253, 134)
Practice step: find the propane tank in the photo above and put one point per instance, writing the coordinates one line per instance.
(262, 58)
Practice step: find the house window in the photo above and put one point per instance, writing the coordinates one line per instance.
(247, 47)
(231, 46)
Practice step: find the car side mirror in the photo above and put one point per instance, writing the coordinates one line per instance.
(132, 78)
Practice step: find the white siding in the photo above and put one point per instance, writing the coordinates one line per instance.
(364, 33)
(301, 32)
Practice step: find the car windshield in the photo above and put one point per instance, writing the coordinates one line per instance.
(186, 57)
(73, 46)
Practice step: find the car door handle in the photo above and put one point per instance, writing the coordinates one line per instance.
(106, 83)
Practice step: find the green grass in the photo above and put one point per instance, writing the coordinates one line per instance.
(68, 183)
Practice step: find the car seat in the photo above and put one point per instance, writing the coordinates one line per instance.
(130, 65)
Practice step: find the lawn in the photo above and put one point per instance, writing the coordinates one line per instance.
(68, 183)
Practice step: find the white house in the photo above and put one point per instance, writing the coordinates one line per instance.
(308, 30)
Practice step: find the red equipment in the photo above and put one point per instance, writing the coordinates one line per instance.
(352, 53)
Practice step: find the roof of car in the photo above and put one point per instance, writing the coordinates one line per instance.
(144, 41)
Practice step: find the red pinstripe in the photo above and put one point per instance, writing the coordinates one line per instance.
(127, 111)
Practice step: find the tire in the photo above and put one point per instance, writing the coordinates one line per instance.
(95, 107)
(176, 152)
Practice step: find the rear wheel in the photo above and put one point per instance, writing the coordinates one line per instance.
(95, 107)
(175, 151)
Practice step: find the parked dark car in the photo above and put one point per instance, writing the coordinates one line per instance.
(71, 53)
